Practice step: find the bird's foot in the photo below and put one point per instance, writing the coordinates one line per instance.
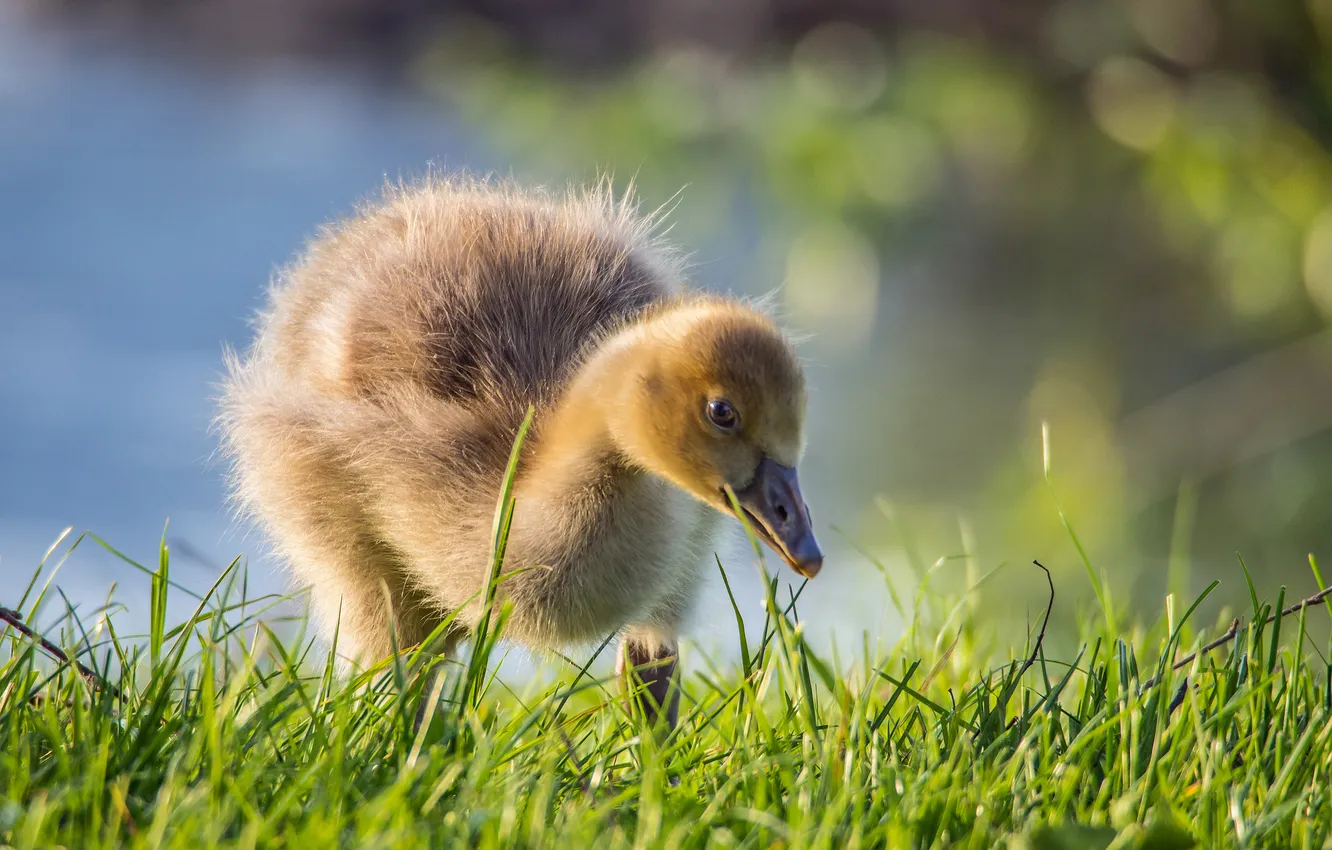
(648, 671)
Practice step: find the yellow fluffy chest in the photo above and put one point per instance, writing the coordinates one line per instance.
(638, 560)
(676, 559)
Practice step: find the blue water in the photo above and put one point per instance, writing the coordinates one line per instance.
(143, 207)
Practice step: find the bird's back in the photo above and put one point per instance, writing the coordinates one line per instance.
(371, 422)
(478, 295)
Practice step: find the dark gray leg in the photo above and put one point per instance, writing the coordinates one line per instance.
(648, 667)
(440, 653)
(432, 677)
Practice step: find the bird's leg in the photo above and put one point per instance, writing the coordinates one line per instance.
(647, 665)
(432, 678)
(435, 661)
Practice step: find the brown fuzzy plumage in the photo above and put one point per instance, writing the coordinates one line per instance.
(371, 422)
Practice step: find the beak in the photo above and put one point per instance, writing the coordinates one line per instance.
(775, 509)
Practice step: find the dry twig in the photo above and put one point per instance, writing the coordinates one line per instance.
(15, 619)
(1319, 598)
(1040, 638)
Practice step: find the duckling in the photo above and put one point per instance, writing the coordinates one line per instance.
(371, 422)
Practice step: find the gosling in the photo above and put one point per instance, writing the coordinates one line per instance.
(371, 423)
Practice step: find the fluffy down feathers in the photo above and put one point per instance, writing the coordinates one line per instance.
(371, 421)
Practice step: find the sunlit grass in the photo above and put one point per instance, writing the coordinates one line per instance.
(231, 736)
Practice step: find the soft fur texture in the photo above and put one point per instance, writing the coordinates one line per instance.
(371, 423)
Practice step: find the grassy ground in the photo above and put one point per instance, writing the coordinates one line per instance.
(215, 732)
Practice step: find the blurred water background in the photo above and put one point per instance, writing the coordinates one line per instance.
(1113, 218)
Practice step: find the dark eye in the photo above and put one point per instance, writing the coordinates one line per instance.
(723, 415)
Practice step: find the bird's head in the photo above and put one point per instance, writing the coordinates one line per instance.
(719, 404)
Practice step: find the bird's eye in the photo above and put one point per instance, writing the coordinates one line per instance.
(722, 414)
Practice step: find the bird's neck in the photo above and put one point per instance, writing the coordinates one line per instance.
(580, 444)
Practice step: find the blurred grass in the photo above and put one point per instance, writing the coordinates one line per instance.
(232, 736)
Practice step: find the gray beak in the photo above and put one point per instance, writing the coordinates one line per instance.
(775, 509)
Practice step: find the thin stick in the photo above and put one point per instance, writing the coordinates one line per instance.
(1319, 598)
(1040, 638)
(15, 619)
(1031, 659)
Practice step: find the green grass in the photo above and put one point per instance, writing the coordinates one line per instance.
(230, 736)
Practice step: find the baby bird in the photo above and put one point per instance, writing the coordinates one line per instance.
(371, 423)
